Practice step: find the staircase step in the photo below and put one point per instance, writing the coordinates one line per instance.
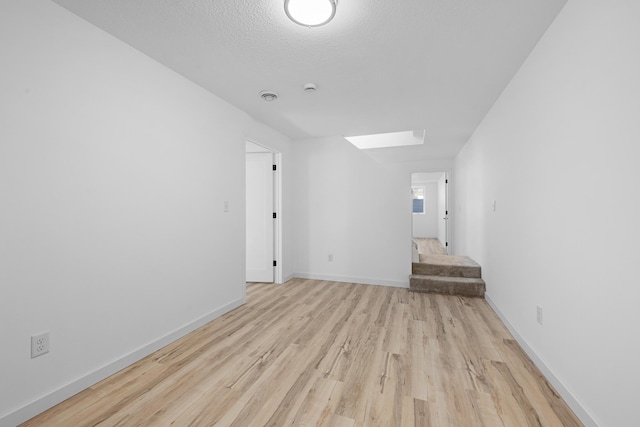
(463, 286)
(446, 265)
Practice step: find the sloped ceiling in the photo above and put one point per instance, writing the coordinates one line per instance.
(380, 65)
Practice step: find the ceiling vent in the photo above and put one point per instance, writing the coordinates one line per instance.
(268, 95)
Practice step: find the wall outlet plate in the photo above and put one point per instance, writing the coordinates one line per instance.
(539, 314)
(39, 344)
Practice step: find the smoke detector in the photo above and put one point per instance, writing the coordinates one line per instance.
(268, 95)
(310, 87)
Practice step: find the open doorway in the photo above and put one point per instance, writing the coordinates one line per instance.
(430, 213)
(262, 221)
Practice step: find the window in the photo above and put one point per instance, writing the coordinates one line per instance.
(417, 194)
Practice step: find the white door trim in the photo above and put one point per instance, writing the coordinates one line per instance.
(277, 200)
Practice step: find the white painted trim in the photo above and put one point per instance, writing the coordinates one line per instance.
(288, 277)
(40, 405)
(360, 280)
(586, 418)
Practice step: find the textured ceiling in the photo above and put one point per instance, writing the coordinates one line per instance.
(380, 65)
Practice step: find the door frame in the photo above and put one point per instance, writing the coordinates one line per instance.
(448, 200)
(277, 208)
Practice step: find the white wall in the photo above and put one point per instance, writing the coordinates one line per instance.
(355, 207)
(113, 175)
(562, 138)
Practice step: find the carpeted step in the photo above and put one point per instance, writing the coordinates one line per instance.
(463, 286)
(446, 265)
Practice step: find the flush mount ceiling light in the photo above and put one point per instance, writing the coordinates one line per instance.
(310, 13)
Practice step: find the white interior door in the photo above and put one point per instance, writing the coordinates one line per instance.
(260, 222)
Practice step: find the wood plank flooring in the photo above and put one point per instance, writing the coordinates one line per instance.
(312, 353)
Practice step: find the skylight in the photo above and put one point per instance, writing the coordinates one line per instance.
(384, 140)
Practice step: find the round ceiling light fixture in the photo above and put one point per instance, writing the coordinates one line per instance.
(310, 13)
(268, 95)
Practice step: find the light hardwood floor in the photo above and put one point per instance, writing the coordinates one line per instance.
(311, 353)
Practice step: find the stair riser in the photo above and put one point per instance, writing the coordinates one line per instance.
(447, 288)
(446, 270)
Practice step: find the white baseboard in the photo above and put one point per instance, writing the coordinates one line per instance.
(40, 405)
(364, 281)
(586, 418)
(288, 277)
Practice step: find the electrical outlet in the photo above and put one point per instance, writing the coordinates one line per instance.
(539, 314)
(39, 344)
(330, 257)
